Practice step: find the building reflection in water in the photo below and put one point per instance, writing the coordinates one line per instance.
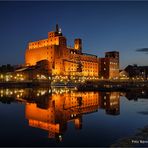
(62, 108)
(110, 101)
(52, 109)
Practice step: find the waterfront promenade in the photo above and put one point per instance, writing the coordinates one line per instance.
(111, 85)
(85, 86)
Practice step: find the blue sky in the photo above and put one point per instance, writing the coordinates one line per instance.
(103, 26)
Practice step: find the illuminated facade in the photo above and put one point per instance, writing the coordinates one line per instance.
(63, 60)
(109, 66)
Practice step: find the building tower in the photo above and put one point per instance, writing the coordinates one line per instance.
(57, 28)
(78, 44)
(112, 54)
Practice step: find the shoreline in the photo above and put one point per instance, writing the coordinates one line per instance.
(88, 86)
(22, 84)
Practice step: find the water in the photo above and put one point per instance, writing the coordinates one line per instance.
(63, 117)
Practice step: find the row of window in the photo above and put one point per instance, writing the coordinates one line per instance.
(111, 63)
(94, 71)
(89, 63)
(83, 102)
(88, 59)
(41, 42)
(90, 67)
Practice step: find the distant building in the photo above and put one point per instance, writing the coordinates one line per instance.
(135, 71)
(7, 68)
(112, 54)
(144, 70)
(123, 74)
(109, 66)
(39, 71)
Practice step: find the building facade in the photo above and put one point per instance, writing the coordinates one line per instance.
(63, 60)
(109, 66)
(137, 72)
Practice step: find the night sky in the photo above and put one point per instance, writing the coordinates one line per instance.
(103, 26)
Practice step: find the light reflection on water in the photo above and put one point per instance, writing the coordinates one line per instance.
(62, 116)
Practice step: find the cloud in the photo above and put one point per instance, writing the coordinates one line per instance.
(145, 50)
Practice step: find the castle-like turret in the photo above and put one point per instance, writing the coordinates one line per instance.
(78, 44)
(57, 28)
